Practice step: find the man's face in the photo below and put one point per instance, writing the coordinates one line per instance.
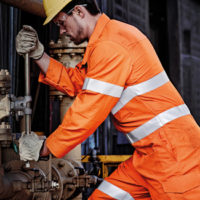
(72, 26)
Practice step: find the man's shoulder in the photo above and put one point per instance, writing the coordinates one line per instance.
(119, 36)
(121, 33)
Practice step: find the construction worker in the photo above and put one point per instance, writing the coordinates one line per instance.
(120, 73)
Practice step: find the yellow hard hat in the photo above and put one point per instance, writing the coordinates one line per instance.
(53, 7)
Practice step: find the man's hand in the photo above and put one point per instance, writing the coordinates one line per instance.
(44, 151)
(27, 42)
(30, 147)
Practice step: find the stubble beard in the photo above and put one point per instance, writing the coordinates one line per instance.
(78, 40)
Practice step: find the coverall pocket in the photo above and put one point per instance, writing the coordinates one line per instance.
(183, 183)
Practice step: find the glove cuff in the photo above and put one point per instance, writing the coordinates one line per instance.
(39, 52)
(37, 155)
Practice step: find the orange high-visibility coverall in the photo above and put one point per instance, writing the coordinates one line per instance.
(121, 73)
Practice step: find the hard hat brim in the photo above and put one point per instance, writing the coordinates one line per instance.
(51, 16)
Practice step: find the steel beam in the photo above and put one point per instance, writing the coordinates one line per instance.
(31, 6)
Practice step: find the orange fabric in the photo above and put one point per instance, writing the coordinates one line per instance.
(120, 54)
(67, 80)
(132, 183)
(127, 178)
(89, 109)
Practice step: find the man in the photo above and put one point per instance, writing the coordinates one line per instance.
(120, 73)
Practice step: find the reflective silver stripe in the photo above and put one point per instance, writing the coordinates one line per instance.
(102, 87)
(114, 191)
(132, 91)
(157, 122)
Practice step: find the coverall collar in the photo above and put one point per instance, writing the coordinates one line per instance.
(101, 23)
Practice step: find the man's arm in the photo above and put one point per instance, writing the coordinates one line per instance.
(66, 80)
(43, 62)
(108, 68)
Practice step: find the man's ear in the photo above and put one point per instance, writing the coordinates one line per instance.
(79, 10)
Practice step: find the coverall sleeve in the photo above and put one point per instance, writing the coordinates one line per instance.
(67, 80)
(108, 65)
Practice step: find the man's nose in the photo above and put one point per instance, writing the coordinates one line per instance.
(62, 30)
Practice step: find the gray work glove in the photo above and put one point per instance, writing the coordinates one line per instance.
(27, 42)
(30, 146)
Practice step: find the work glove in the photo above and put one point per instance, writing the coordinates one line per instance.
(30, 146)
(27, 42)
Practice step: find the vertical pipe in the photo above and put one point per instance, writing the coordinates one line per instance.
(97, 138)
(0, 156)
(10, 43)
(75, 153)
(50, 173)
(27, 93)
(105, 137)
(11, 51)
(1, 37)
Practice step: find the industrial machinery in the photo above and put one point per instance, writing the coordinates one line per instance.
(69, 55)
(48, 179)
(102, 163)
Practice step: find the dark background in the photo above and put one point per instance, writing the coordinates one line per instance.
(173, 26)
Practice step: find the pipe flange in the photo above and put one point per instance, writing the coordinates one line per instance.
(65, 42)
(67, 171)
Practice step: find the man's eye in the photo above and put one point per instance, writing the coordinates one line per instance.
(57, 23)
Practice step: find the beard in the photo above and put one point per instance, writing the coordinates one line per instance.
(79, 37)
(77, 42)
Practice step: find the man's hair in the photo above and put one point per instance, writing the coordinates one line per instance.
(91, 6)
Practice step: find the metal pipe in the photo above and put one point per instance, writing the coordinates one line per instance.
(31, 6)
(12, 183)
(50, 173)
(35, 101)
(0, 155)
(6, 188)
(27, 93)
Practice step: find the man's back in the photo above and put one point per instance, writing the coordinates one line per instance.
(151, 113)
